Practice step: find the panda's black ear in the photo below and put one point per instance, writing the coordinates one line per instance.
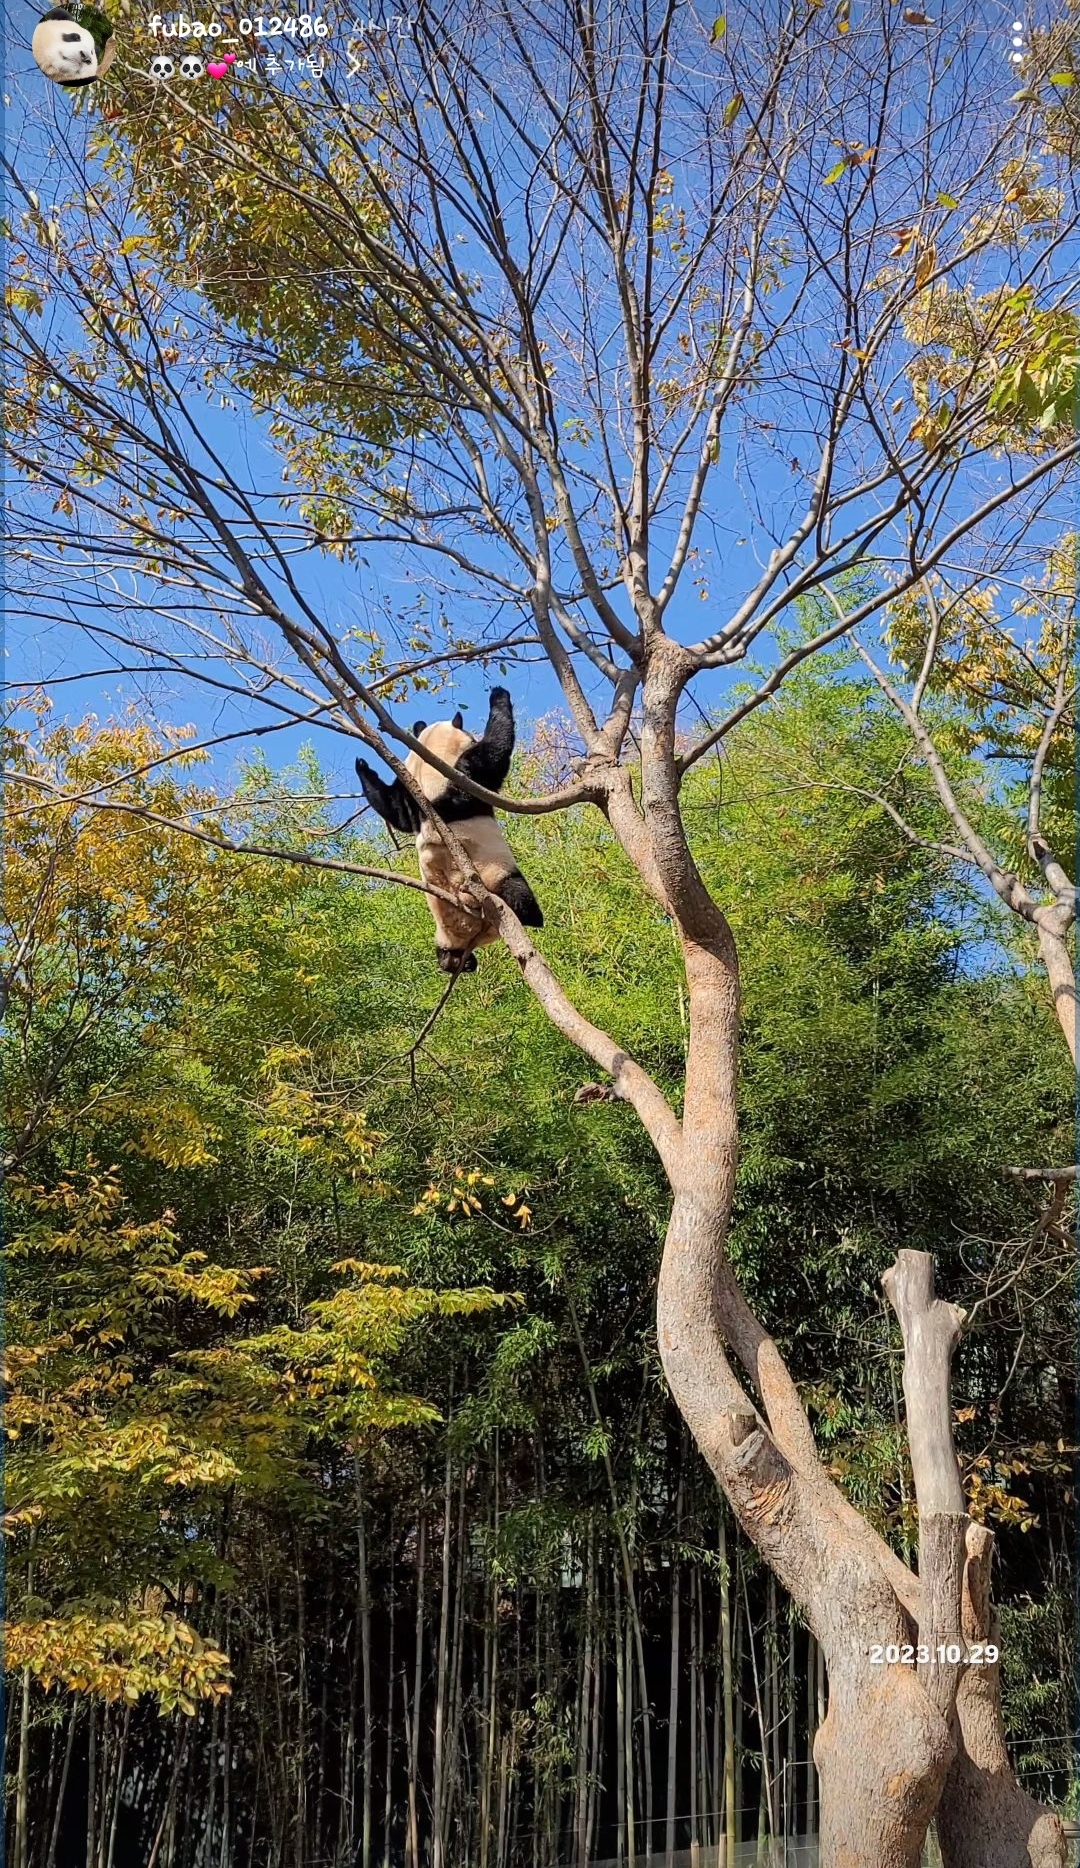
(458, 721)
(419, 726)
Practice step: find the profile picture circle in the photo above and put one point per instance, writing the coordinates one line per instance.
(73, 45)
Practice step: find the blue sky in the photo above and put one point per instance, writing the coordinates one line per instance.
(752, 502)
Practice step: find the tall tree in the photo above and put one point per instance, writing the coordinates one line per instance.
(570, 257)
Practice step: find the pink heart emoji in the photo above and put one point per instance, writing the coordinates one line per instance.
(218, 71)
(229, 57)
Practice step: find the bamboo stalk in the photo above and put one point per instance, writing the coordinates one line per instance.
(54, 1838)
(489, 1688)
(364, 1608)
(414, 1747)
(774, 1713)
(453, 1767)
(695, 1787)
(628, 1732)
(91, 1787)
(22, 1790)
(620, 1725)
(596, 1723)
(727, 1687)
(437, 1814)
(118, 1785)
(674, 1670)
(388, 1804)
(705, 1791)
(790, 1808)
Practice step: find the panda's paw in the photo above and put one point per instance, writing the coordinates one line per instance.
(455, 960)
(364, 770)
(500, 697)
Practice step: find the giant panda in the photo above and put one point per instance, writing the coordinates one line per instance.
(459, 931)
(73, 51)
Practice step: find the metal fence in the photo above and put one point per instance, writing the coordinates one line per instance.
(780, 1852)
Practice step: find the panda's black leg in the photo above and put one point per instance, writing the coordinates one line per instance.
(392, 802)
(487, 761)
(517, 895)
(455, 960)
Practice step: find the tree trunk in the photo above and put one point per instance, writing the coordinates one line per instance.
(1054, 950)
(986, 1820)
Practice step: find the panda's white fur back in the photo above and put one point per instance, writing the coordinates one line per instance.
(481, 837)
(484, 842)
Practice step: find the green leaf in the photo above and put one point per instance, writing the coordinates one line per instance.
(719, 28)
(733, 109)
(1063, 79)
(947, 201)
(835, 172)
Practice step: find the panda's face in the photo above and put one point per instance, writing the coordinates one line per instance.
(64, 51)
(447, 742)
(191, 67)
(161, 67)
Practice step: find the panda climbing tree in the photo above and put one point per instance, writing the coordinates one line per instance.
(459, 929)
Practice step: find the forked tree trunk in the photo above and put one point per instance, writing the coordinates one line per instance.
(885, 1747)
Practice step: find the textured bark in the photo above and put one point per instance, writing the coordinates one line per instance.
(883, 1749)
(931, 1330)
(882, 1754)
(986, 1819)
(1054, 951)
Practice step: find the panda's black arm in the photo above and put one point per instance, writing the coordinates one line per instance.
(392, 802)
(487, 761)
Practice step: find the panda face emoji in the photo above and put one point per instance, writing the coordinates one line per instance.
(161, 67)
(191, 67)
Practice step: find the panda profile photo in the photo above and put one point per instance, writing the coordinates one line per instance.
(161, 67)
(459, 931)
(74, 46)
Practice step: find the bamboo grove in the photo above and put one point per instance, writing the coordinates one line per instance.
(349, 1517)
